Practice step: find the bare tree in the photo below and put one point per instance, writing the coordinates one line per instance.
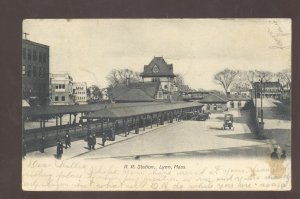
(225, 78)
(264, 76)
(285, 78)
(116, 77)
(179, 80)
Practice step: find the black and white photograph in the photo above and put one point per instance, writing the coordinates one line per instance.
(156, 104)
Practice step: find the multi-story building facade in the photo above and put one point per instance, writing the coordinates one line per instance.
(35, 72)
(268, 90)
(61, 89)
(159, 71)
(80, 92)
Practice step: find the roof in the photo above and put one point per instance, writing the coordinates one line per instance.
(122, 112)
(134, 95)
(268, 84)
(138, 91)
(213, 98)
(38, 111)
(164, 69)
(238, 98)
(26, 41)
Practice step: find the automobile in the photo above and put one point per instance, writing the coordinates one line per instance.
(228, 121)
(202, 117)
(189, 115)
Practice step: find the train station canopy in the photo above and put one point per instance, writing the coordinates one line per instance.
(55, 110)
(146, 109)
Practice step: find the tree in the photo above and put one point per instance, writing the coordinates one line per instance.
(116, 77)
(94, 94)
(225, 78)
(179, 80)
(264, 76)
(285, 78)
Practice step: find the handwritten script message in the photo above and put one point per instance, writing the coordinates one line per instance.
(141, 175)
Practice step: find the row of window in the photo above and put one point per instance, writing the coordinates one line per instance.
(32, 55)
(63, 98)
(40, 88)
(79, 98)
(56, 98)
(33, 71)
(60, 86)
(80, 88)
(80, 93)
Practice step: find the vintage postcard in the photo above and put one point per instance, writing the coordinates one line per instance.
(156, 104)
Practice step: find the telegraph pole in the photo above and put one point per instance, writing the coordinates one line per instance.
(25, 35)
(261, 101)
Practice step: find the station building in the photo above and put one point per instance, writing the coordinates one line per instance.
(159, 71)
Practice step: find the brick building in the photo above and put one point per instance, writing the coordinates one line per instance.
(35, 72)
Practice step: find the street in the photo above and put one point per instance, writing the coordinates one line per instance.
(190, 139)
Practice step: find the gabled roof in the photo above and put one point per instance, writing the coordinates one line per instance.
(134, 95)
(149, 88)
(268, 84)
(213, 98)
(164, 69)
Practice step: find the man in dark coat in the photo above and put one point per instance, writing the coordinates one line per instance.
(94, 141)
(283, 155)
(274, 154)
(104, 138)
(67, 140)
(137, 129)
(59, 149)
(90, 141)
(42, 144)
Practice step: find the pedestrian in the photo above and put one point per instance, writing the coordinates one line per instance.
(274, 154)
(103, 138)
(158, 121)
(90, 141)
(24, 151)
(42, 144)
(128, 129)
(94, 141)
(283, 155)
(59, 149)
(112, 134)
(67, 140)
(125, 129)
(137, 129)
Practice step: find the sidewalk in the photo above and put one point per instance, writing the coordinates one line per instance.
(80, 147)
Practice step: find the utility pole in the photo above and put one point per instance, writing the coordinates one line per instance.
(261, 101)
(261, 93)
(25, 35)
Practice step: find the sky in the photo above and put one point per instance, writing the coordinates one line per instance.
(89, 49)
